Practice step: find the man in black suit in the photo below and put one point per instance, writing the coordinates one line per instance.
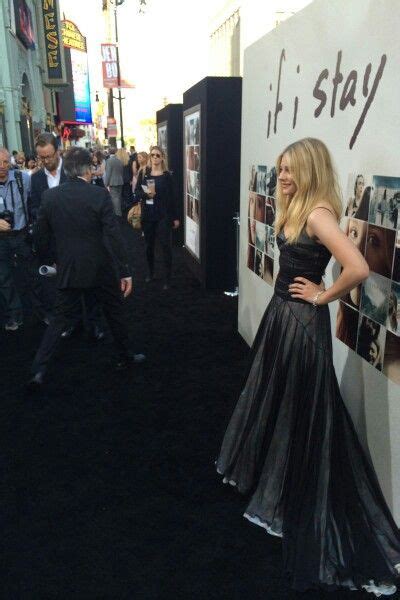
(49, 176)
(90, 256)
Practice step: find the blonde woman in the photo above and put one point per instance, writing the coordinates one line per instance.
(290, 442)
(155, 190)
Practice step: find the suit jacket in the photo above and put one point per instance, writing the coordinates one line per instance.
(89, 245)
(114, 172)
(38, 186)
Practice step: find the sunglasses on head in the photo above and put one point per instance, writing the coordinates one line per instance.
(155, 155)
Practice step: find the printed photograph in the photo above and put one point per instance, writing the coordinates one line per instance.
(189, 207)
(258, 263)
(347, 325)
(396, 260)
(359, 189)
(385, 201)
(391, 360)
(270, 210)
(253, 179)
(191, 182)
(196, 185)
(269, 241)
(195, 210)
(393, 320)
(260, 236)
(250, 257)
(268, 269)
(192, 129)
(193, 158)
(252, 232)
(261, 187)
(260, 208)
(371, 342)
(379, 249)
(375, 297)
(252, 205)
(356, 231)
(271, 182)
(162, 138)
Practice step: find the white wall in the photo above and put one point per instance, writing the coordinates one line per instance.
(364, 31)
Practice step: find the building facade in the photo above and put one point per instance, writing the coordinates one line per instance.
(236, 24)
(29, 52)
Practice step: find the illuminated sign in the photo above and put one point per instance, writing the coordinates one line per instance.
(80, 75)
(72, 37)
(52, 42)
(75, 46)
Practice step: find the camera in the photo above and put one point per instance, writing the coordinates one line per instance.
(8, 215)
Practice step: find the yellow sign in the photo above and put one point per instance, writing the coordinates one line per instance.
(52, 41)
(72, 37)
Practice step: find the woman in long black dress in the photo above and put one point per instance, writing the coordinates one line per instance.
(290, 442)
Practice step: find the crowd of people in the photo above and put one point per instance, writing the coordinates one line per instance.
(24, 245)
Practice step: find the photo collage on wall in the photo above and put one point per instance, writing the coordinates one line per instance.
(192, 182)
(261, 222)
(368, 319)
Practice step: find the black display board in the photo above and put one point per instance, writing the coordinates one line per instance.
(211, 138)
(169, 137)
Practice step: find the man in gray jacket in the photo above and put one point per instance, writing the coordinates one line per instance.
(113, 180)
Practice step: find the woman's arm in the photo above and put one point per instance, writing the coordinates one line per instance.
(321, 224)
(139, 193)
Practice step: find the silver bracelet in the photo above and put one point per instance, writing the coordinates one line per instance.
(314, 301)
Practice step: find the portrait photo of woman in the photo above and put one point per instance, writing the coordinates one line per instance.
(380, 249)
(260, 208)
(347, 325)
(354, 201)
(375, 297)
(393, 320)
(356, 231)
(371, 342)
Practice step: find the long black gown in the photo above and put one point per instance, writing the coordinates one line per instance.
(292, 445)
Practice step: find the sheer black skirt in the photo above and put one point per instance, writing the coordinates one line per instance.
(292, 446)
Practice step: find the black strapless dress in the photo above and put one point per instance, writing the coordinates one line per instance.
(291, 444)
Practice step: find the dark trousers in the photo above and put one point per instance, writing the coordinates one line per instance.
(15, 253)
(162, 231)
(68, 303)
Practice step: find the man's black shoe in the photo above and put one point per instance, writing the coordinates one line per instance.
(35, 383)
(98, 334)
(67, 333)
(125, 363)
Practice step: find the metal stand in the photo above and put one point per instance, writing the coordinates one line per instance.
(235, 292)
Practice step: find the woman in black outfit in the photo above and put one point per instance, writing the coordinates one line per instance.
(159, 213)
(291, 444)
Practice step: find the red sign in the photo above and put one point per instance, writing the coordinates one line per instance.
(110, 68)
(111, 127)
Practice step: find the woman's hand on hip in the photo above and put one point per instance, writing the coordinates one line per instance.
(305, 289)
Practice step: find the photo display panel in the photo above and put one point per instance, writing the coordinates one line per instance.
(192, 188)
(261, 222)
(368, 318)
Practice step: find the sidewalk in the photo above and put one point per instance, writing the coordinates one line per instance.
(109, 489)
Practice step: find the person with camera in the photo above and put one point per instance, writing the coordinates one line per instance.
(15, 246)
(91, 256)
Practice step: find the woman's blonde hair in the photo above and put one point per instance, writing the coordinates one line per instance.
(123, 156)
(314, 175)
(164, 163)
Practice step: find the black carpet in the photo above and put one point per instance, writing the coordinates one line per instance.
(108, 488)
